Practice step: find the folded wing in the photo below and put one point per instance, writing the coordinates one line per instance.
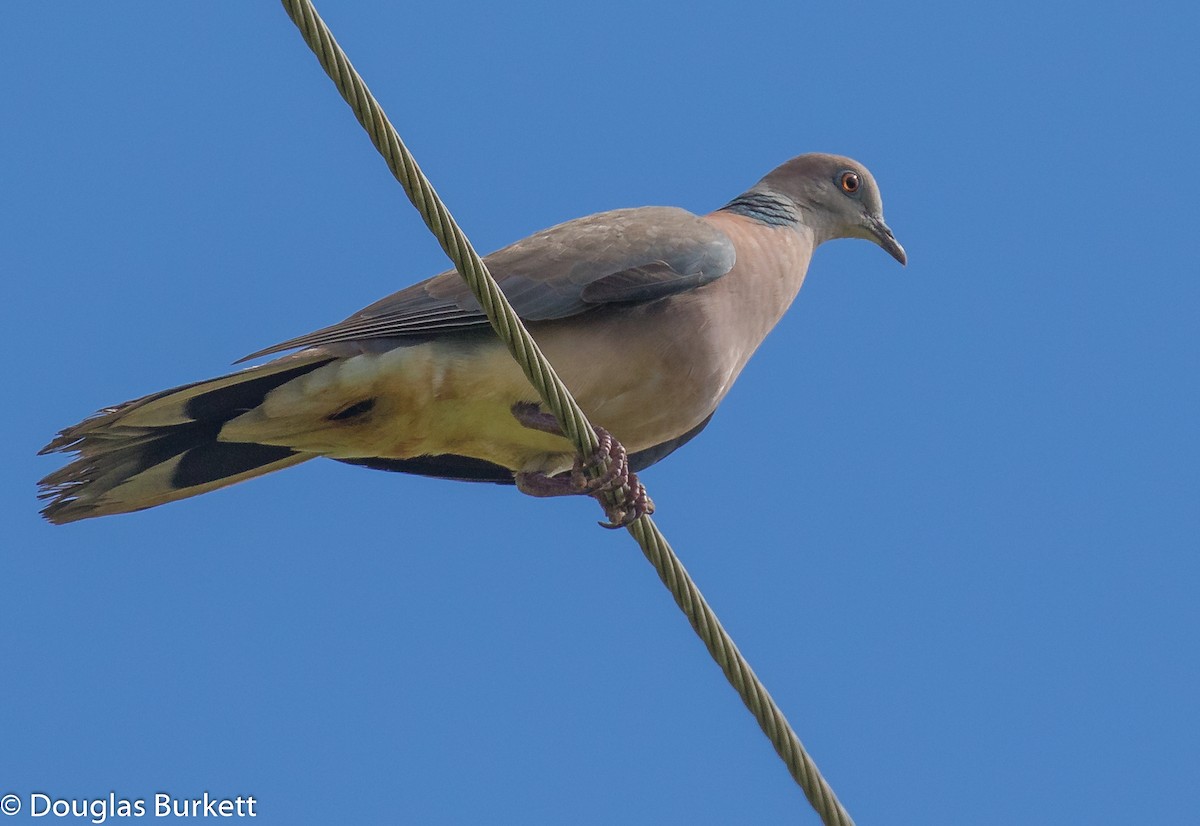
(622, 256)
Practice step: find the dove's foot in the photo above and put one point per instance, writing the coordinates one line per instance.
(631, 504)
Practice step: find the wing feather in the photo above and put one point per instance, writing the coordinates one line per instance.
(626, 255)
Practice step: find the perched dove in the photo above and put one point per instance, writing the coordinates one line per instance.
(647, 314)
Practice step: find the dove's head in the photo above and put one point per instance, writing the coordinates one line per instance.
(835, 197)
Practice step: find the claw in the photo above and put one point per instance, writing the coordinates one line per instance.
(625, 515)
(632, 502)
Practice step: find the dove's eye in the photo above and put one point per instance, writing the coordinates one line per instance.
(850, 182)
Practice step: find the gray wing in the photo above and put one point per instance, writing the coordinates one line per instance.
(627, 255)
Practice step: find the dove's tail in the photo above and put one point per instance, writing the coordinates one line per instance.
(165, 446)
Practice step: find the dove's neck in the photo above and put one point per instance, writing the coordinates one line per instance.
(766, 276)
(764, 206)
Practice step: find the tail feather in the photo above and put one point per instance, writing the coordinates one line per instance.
(164, 447)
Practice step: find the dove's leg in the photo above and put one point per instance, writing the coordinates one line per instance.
(633, 503)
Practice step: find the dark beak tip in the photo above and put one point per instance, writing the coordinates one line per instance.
(892, 247)
(885, 238)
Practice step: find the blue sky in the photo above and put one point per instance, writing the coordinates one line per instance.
(948, 512)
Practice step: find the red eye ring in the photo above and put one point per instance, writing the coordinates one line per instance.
(850, 182)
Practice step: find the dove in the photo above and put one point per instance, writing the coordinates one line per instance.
(648, 315)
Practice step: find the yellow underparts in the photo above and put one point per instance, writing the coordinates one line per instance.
(428, 399)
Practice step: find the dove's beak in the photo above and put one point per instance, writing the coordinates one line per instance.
(883, 237)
